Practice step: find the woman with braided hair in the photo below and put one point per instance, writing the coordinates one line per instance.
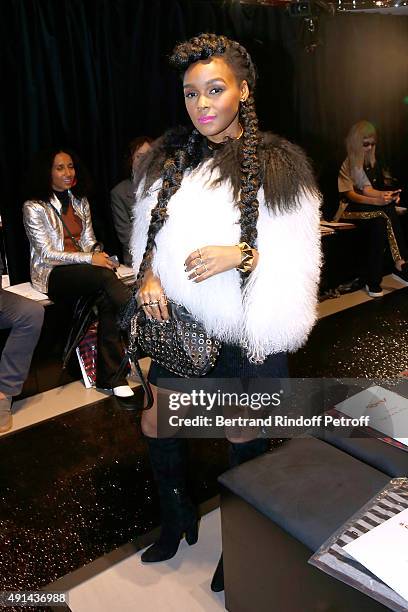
(226, 222)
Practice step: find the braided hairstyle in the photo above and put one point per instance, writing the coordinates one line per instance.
(191, 153)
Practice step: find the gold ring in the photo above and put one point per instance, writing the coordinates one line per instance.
(205, 267)
(199, 253)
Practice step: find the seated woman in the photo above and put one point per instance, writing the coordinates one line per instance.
(362, 185)
(123, 197)
(57, 220)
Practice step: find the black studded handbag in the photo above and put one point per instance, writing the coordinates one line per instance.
(180, 344)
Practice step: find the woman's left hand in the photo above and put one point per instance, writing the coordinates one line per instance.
(210, 260)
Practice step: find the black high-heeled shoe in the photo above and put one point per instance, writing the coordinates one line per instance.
(179, 516)
(179, 520)
(217, 582)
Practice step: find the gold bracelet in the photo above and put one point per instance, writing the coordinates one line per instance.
(247, 257)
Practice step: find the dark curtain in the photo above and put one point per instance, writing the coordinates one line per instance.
(92, 74)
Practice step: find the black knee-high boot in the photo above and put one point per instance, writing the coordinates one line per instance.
(168, 460)
(238, 453)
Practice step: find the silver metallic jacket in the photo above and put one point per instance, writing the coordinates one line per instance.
(46, 235)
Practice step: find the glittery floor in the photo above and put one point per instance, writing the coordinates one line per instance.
(78, 486)
(366, 341)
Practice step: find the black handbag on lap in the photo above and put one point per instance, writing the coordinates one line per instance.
(180, 344)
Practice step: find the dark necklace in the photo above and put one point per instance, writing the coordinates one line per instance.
(215, 146)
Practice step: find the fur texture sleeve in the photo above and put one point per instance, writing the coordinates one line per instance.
(286, 173)
(144, 203)
(280, 297)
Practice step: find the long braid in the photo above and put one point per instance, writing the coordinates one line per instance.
(174, 167)
(248, 204)
(250, 172)
(172, 175)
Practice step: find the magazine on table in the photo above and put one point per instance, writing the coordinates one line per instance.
(367, 564)
(384, 551)
(388, 412)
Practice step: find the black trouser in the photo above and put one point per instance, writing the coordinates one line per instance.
(73, 281)
(382, 225)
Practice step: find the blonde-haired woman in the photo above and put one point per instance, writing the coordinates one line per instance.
(367, 198)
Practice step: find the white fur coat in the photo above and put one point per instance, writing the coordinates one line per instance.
(277, 309)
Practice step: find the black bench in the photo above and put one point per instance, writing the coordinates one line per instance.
(380, 455)
(276, 511)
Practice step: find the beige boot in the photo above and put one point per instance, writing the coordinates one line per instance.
(6, 420)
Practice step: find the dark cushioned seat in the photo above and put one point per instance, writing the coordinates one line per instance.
(307, 487)
(389, 459)
(276, 511)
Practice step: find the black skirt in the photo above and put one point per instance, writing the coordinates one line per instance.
(233, 363)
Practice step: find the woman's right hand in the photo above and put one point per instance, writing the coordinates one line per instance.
(99, 258)
(151, 296)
